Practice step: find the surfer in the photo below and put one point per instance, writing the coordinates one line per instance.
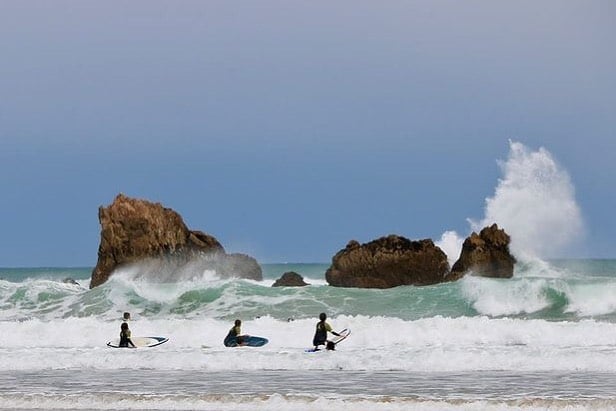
(126, 317)
(234, 337)
(320, 336)
(125, 336)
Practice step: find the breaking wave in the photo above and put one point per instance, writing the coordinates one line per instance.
(534, 202)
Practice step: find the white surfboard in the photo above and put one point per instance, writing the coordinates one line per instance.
(343, 335)
(140, 342)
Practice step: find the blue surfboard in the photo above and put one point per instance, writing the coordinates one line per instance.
(250, 341)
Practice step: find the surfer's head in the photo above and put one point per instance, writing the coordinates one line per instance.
(322, 316)
(238, 323)
(126, 316)
(124, 327)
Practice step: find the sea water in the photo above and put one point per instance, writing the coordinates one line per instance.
(545, 339)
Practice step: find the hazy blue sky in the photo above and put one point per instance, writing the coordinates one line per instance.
(287, 128)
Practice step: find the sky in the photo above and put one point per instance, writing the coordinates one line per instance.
(287, 128)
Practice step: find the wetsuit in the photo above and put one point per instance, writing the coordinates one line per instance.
(233, 339)
(125, 339)
(320, 336)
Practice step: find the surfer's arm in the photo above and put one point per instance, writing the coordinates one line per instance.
(330, 329)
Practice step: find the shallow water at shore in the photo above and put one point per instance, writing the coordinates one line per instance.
(153, 389)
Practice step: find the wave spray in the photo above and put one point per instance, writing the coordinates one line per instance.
(534, 202)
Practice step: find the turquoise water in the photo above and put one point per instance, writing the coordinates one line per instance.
(558, 290)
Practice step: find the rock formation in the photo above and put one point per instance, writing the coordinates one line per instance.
(485, 254)
(388, 262)
(290, 279)
(135, 231)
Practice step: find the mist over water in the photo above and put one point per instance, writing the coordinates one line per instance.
(534, 202)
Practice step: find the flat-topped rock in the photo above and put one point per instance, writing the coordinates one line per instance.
(387, 262)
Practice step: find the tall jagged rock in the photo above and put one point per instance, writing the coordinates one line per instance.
(388, 262)
(135, 231)
(485, 254)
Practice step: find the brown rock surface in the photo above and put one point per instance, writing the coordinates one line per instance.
(134, 230)
(485, 254)
(388, 262)
(290, 279)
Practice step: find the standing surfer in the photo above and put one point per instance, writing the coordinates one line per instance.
(320, 336)
(125, 332)
(125, 336)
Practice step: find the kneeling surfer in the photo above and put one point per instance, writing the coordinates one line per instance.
(320, 336)
(234, 337)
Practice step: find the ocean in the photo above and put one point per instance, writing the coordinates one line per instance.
(543, 340)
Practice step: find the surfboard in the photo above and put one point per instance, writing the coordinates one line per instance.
(343, 336)
(250, 341)
(140, 342)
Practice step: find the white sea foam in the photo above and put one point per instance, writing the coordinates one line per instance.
(592, 299)
(316, 281)
(451, 244)
(161, 292)
(505, 297)
(376, 343)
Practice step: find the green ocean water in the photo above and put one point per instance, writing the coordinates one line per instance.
(554, 290)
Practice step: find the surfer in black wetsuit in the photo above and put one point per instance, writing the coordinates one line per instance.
(234, 337)
(320, 336)
(125, 340)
